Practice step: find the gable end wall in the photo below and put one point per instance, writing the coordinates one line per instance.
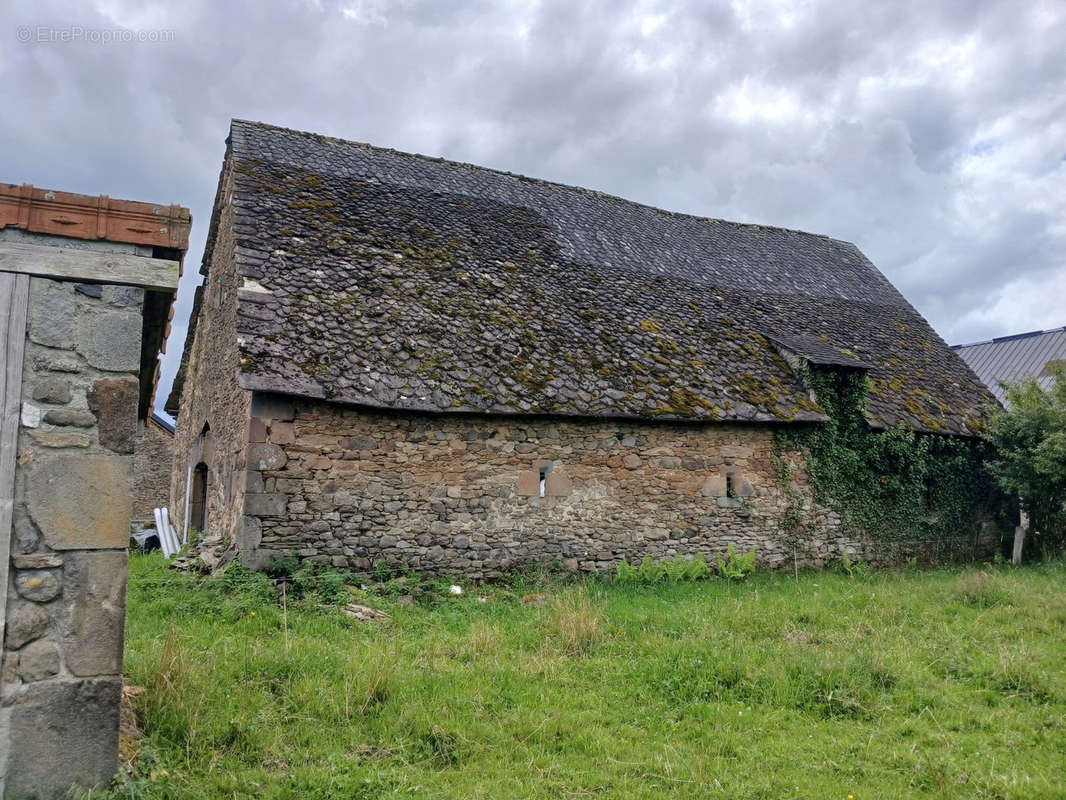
(211, 395)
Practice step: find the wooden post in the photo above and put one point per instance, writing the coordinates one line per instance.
(14, 301)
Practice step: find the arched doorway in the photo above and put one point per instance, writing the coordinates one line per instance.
(198, 497)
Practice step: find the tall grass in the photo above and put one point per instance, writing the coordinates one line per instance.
(947, 683)
(576, 622)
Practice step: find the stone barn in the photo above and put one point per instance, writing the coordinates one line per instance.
(459, 370)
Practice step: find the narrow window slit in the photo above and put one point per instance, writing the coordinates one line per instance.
(543, 479)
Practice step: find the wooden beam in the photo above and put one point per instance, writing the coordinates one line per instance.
(14, 300)
(88, 265)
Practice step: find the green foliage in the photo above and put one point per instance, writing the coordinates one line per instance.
(734, 566)
(895, 485)
(674, 569)
(853, 569)
(1030, 439)
(942, 683)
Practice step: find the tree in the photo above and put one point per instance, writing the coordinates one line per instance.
(1030, 437)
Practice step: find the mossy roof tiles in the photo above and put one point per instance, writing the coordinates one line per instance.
(395, 280)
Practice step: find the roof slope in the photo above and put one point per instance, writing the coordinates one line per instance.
(401, 281)
(1012, 358)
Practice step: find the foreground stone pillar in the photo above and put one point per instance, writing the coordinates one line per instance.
(81, 320)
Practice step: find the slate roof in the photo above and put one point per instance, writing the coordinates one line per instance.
(401, 281)
(1012, 358)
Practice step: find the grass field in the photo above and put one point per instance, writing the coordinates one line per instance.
(945, 683)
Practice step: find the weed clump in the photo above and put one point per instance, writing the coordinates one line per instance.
(980, 589)
(576, 621)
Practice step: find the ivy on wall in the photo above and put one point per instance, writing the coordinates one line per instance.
(894, 485)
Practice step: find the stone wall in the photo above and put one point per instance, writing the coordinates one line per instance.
(62, 660)
(153, 463)
(462, 495)
(211, 397)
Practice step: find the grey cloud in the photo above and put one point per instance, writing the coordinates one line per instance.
(928, 132)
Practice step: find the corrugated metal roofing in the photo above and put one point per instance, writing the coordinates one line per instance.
(1012, 358)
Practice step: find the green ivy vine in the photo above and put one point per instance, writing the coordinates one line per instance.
(894, 485)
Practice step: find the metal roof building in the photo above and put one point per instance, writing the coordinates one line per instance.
(1012, 358)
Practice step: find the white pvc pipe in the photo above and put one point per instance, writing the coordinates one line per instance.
(162, 533)
(170, 529)
(188, 491)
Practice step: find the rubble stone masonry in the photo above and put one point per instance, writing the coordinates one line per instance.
(463, 495)
(153, 457)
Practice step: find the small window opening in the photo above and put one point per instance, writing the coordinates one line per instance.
(544, 470)
(729, 486)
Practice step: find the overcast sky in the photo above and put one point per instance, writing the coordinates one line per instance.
(932, 134)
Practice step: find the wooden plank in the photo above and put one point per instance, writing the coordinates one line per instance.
(14, 299)
(88, 265)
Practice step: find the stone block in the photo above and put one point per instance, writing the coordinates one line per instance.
(272, 406)
(94, 591)
(94, 290)
(123, 296)
(27, 537)
(282, 433)
(55, 363)
(31, 415)
(714, 486)
(28, 622)
(60, 439)
(288, 485)
(52, 313)
(114, 402)
(529, 483)
(38, 585)
(266, 505)
(9, 674)
(38, 660)
(72, 417)
(257, 430)
(346, 442)
(66, 734)
(36, 560)
(557, 485)
(80, 501)
(266, 456)
(52, 390)
(248, 538)
(631, 461)
(253, 481)
(111, 341)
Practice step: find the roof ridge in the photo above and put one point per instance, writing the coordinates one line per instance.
(530, 179)
(1009, 337)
